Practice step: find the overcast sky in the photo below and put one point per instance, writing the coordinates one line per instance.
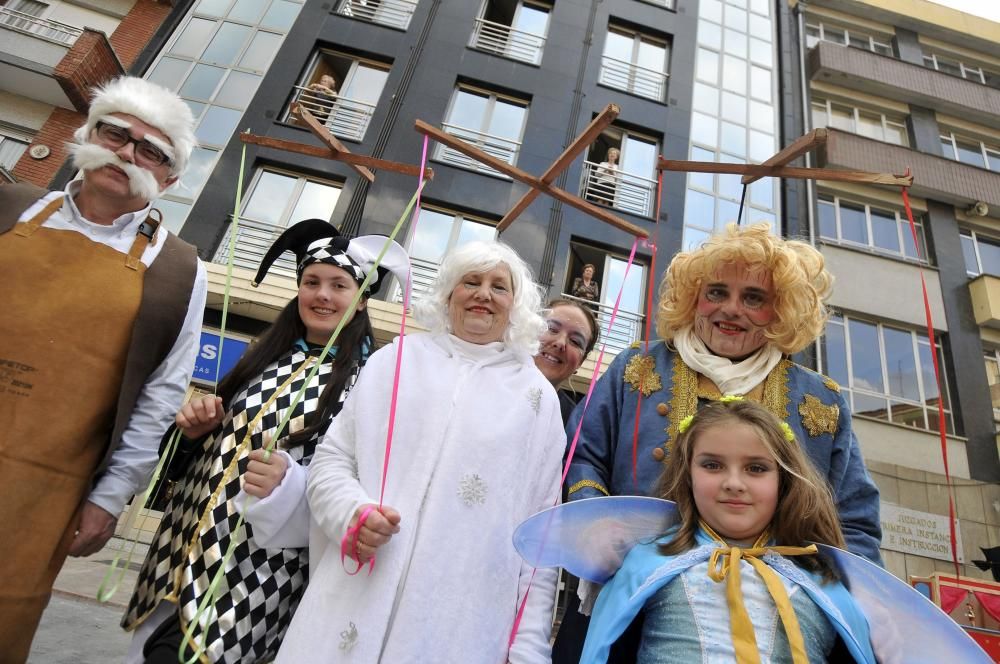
(985, 8)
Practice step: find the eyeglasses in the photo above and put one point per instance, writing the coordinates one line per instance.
(146, 154)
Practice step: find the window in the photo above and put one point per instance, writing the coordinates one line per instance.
(390, 13)
(885, 372)
(12, 146)
(873, 124)
(341, 91)
(512, 29)
(214, 61)
(620, 171)
(970, 151)
(993, 378)
(952, 65)
(609, 273)
(492, 122)
(817, 31)
(438, 232)
(982, 254)
(885, 231)
(277, 199)
(636, 63)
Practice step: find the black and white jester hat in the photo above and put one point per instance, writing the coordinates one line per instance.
(318, 241)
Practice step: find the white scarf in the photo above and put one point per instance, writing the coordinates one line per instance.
(730, 377)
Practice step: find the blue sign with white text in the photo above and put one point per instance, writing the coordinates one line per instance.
(207, 362)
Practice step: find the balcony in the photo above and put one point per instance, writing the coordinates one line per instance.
(52, 62)
(633, 79)
(623, 191)
(883, 76)
(390, 13)
(503, 149)
(345, 117)
(507, 42)
(985, 292)
(934, 177)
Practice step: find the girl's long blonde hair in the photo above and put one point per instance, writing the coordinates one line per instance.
(805, 511)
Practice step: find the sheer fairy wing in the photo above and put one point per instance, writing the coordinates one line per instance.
(905, 625)
(590, 537)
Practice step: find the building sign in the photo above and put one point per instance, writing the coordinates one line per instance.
(207, 362)
(919, 533)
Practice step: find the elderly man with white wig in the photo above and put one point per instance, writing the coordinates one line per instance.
(477, 448)
(101, 318)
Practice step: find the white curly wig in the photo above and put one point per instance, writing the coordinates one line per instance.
(153, 104)
(526, 323)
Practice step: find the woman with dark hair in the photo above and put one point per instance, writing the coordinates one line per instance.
(584, 287)
(570, 334)
(231, 433)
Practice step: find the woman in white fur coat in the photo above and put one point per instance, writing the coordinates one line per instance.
(477, 448)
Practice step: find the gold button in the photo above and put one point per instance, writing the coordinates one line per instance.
(662, 408)
(658, 453)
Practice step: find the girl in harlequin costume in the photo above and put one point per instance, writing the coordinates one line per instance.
(736, 579)
(266, 576)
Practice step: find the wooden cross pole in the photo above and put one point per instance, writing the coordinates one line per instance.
(334, 150)
(535, 183)
(562, 162)
(775, 166)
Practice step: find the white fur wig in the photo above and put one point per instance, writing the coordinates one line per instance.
(151, 103)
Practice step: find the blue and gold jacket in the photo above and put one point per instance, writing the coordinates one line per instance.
(810, 402)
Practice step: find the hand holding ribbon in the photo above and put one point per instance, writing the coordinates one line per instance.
(371, 527)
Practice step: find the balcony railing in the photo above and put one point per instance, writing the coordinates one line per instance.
(253, 238)
(503, 149)
(40, 27)
(507, 42)
(632, 78)
(344, 117)
(391, 13)
(618, 189)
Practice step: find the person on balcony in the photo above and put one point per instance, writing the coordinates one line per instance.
(730, 313)
(584, 286)
(321, 96)
(604, 180)
(477, 449)
(101, 322)
(267, 573)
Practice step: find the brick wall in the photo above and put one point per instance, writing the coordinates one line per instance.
(56, 131)
(137, 28)
(89, 63)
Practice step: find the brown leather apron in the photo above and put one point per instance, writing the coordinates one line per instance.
(67, 318)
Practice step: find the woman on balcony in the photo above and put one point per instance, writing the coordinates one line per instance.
(226, 436)
(477, 448)
(584, 286)
(730, 313)
(320, 97)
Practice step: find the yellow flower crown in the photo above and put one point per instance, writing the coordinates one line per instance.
(685, 424)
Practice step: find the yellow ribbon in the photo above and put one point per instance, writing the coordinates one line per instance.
(725, 562)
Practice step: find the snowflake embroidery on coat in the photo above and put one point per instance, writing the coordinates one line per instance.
(349, 637)
(472, 490)
(535, 399)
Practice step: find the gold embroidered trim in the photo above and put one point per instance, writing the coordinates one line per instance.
(683, 401)
(640, 374)
(817, 417)
(831, 384)
(776, 389)
(582, 484)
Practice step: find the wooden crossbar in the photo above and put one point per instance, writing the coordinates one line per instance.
(761, 170)
(338, 148)
(562, 162)
(798, 147)
(328, 153)
(521, 176)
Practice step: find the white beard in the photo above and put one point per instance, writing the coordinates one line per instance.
(90, 157)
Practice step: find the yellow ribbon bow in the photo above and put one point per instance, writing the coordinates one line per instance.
(725, 562)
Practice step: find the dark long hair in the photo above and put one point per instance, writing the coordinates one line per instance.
(275, 342)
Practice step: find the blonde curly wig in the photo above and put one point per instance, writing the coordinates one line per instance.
(801, 283)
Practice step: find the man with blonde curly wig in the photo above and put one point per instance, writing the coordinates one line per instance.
(101, 321)
(730, 313)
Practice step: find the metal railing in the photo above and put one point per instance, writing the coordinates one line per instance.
(503, 149)
(507, 42)
(626, 330)
(344, 117)
(632, 78)
(40, 27)
(253, 238)
(392, 13)
(618, 189)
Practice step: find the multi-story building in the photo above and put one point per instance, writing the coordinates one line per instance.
(897, 84)
(51, 54)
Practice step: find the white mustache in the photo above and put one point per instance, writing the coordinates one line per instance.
(90, 157)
